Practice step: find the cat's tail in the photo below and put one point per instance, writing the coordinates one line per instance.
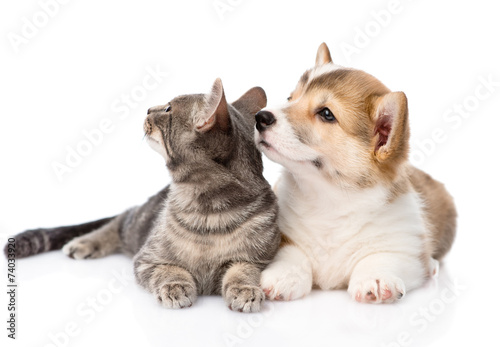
(36, 241)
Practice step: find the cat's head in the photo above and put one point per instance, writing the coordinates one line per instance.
(202, 128)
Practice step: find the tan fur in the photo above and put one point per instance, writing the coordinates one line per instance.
(390, 157)
(358, 100)
(285, 240)
(353, 96)
(353, 210)
(439, 211)
(323, 56)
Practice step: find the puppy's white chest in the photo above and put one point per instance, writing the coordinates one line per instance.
(331, 242)
(337, 230)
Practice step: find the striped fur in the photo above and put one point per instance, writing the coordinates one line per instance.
(213, 229)
(36, 241)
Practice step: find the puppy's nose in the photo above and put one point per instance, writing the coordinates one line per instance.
(264, 120)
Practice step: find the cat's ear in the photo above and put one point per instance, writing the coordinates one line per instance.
(215, 113)
(251, 102)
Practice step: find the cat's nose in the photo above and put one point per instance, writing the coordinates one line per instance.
(264, 120)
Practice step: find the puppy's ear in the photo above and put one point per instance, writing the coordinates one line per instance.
(215, 112)
(251, 102)
(323, 56)
(391, 135)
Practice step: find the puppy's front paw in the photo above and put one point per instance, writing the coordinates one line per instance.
(177, 295)
(281, 282)
(377, 290)
(244, 298)
(82, 249)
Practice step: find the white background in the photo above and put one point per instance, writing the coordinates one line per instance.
(71, 73)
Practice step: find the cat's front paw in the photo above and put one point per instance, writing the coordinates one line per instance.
(82, 249)
(177, 295)
(244, 298)
(377, 290)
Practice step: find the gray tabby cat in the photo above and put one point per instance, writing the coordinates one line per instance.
(212, 230)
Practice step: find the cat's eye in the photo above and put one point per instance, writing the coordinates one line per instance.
(289, 98)
(168, 108)
(326, 115)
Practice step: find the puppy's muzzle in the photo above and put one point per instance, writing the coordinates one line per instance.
(264, 120)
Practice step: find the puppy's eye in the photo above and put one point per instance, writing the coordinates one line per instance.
(289, 98)
(326, 115)
(168, 108)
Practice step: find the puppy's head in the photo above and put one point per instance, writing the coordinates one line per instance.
(339, 122)
(194, 129)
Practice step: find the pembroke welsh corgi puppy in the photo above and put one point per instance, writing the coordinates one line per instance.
(353, 212)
